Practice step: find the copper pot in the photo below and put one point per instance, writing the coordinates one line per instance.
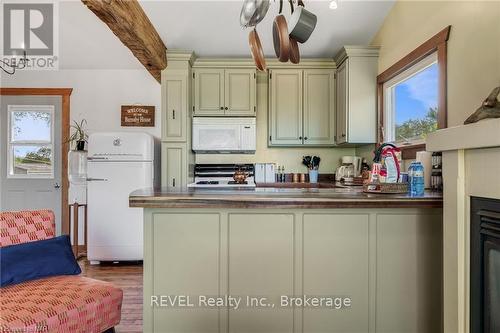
(240, 176)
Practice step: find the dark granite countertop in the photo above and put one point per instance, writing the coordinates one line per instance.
(277, 198)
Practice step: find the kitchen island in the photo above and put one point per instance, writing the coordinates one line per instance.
(290, 260)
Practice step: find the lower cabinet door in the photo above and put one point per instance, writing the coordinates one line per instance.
(174, 164)
(261, 264)
(186, 267)
(336, 264)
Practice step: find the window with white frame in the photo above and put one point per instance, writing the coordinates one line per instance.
(30, 141)
(411, 103)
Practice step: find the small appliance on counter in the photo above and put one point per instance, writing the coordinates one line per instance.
(265, 172)
(223, 175)
(349, 168)
(437, 172)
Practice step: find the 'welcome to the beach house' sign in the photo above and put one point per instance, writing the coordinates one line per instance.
(138, 115)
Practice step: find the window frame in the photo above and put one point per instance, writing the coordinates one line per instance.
(38, 143)
(389, 101)
(436, 44)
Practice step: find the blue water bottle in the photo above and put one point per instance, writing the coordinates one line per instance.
(417, 184)
(410, 175)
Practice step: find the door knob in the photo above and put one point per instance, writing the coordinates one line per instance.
(57, 185)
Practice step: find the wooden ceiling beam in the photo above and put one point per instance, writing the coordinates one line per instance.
(130, 24)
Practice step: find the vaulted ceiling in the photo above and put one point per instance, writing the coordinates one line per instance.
(210, 28)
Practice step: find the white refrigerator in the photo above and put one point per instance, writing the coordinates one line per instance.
(118, 163)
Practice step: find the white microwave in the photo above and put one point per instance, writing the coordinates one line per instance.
(224, 135)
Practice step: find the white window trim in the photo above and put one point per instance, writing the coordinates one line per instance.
(389, 98)
(41, 143)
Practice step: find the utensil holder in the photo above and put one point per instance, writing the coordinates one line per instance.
(313, 176)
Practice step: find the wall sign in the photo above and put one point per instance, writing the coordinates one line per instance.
(138, 115)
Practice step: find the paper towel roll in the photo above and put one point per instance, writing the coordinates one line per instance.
(425, 158)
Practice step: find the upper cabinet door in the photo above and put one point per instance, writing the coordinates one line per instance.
(209, 92)
(285, 107)
(342, 106)
(239, 92)
(319, 107)
(174, 103)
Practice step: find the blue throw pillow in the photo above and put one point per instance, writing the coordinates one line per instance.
(35, 260)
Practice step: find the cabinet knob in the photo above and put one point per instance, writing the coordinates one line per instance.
(226, 107)
(343, 135)
(305, 138)
(173, 114)
(222, 108)
(300, 138)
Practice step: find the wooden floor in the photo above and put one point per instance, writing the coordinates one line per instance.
(129, 278)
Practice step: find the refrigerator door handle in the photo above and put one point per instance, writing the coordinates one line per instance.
(97, 180)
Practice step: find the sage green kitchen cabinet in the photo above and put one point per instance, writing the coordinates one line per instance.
(285, 107)
(174, 108)
(345, 274)
(319, 107)
(208, 92)
(302, 107)
(177, 158)
(224, 92)
(195, 238)
(174, 164)
(239, 92)
(356, 86)
(269, 274)
(386, 263)
(341, 109)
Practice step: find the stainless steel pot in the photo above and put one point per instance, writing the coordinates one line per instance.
(253, 11)
(301, 24)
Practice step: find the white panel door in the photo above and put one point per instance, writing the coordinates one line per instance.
(30, 154)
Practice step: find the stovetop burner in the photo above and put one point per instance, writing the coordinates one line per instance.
(232, 182)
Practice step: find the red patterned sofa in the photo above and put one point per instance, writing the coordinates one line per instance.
(69, 303)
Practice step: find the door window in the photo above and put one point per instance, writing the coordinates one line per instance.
(31, 141)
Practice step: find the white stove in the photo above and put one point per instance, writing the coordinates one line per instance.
(221, 176)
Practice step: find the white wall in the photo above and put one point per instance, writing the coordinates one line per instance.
(97, 94)
(473, 47)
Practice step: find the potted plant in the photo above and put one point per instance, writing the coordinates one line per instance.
(312, 163)
(79, 136)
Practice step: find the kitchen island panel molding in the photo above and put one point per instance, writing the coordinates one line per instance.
(346, 274)
(193, 269)
(261, 263)
(357, 253)
(409, 263)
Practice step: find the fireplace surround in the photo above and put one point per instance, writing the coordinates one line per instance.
(484, 265)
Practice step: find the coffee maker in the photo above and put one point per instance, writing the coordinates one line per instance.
(350, 167)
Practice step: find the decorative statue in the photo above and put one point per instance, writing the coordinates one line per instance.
(489, 109)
